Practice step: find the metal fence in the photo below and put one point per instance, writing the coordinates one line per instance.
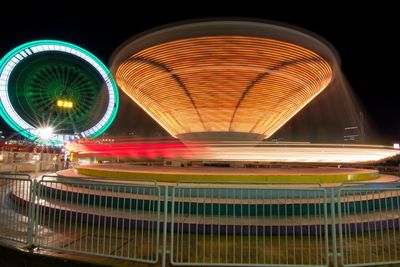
(249, 226)
(202, 224)
(106, 219)
(15, 215)
(369, 220)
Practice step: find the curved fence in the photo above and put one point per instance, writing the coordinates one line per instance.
(261, 224)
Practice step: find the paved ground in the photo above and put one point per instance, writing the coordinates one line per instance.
(13, 256)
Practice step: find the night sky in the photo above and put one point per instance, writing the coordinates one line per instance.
(364, 36)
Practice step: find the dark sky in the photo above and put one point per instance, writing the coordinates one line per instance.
(365, 36)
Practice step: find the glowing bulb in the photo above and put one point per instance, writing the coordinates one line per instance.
(45, 133)
(396, 146)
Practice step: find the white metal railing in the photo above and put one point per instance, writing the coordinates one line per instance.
(15, 216)
(369, 220)
(203, 224)
(249, 226)
(106, 219)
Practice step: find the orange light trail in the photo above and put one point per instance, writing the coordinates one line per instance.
(223, 83)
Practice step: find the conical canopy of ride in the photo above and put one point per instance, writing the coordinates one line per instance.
(223, 80)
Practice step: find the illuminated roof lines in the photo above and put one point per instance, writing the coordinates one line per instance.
(175, 77)
(262, 76)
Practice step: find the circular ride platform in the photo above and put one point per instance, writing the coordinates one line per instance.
(79, 197)
(210, 174)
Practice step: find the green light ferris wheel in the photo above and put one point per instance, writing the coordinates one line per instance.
(52, 85)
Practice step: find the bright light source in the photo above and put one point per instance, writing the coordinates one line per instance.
(45, 133)
(65, 104)
(396, 146)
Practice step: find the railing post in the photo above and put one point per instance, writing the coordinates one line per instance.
(164, 244)
(31, 212)
(341, 254)
(333, 216)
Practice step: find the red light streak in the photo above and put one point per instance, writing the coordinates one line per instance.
(295, 152)
(133, 147)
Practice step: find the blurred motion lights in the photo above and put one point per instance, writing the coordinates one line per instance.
(223, 80)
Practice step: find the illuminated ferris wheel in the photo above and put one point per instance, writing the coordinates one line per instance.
(56, 91)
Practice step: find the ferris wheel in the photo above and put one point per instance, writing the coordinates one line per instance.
(53, 90)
